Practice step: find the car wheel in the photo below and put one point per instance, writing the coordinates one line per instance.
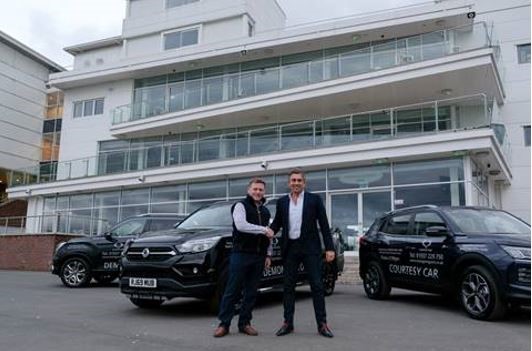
(75, 273)
(105, 278)
(479, 294)
(145, 303)
(329, 277)
(375, 284)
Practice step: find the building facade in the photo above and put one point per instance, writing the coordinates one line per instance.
(423, 104)
(23, 77)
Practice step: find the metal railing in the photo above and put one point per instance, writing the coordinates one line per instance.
(237, 83)
(52, 223)
(463, 113)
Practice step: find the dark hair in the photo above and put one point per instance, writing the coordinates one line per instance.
(297, 171)
(256, 180)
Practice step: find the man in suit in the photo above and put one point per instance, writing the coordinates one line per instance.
(298, 214)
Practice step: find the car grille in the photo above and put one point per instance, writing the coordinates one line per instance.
(150, 254)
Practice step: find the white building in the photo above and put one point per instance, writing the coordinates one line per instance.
(23, 76)
(423, 104)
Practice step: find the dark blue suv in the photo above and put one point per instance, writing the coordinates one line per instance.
(479, 255)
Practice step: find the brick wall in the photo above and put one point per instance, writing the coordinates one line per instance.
(29, 252)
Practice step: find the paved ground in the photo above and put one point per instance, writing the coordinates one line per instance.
(38, 313)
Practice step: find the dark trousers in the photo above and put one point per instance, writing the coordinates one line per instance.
(313, 264)
(245, 271)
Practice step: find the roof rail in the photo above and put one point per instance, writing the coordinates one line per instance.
(412, 207)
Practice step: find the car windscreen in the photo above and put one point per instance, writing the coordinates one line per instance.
(218, 215)
(478, 221)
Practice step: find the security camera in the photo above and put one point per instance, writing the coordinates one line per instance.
(243, 52)
(140, 179)
(47, 85)
(471, 14)
(264, 164)
(488, 165)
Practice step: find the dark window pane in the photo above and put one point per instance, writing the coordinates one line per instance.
(527, 135)
(78, 109)
(88, 108)
(98, 108)
(172, 40)
(523, 53)
(426, 219)
(189, 37)
(434, 171)
(398, 225)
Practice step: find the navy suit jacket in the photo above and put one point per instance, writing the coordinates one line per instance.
(313, 214)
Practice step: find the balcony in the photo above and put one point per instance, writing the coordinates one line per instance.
(442, 117)
(174, 94)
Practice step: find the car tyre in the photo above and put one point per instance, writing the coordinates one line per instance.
(75, 273)
(479, 294)
(145, 303)
(329, 277)
(376, 285)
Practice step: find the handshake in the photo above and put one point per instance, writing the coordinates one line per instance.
(269, 233)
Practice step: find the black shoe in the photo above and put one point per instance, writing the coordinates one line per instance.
(285, 329)
(325, 331)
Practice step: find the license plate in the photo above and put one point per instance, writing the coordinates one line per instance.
(143, 282)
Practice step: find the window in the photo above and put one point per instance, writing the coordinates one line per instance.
(177, 3)
(162, 224)
(88, 108)
(178, 39)
(523, 53)
(397, 225)
(426, 219)
(526, 129)
(132, 227)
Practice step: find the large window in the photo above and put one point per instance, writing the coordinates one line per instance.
(88, 108)
(180, 38)
(177, 3)
(523, 53)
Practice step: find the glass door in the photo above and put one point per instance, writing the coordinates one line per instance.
(354, 212)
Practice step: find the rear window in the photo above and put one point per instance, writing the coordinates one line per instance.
(397, 225)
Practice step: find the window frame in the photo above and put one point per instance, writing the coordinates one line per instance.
(413, 221)
(386, 222)
(82, 104)
(518, 47)
(199, 28)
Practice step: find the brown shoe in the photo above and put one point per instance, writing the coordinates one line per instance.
(248, 330)
(221, 331)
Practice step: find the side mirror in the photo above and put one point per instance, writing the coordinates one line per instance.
(109, 236)
(437, 230)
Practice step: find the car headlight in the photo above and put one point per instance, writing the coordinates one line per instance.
(521, 253)
(59, 246)
(198, 245)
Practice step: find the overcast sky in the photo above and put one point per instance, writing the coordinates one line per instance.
(49, 26)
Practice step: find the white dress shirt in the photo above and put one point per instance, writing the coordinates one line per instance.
(295, 216)
(242, 225)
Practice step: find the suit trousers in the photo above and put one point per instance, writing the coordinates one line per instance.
(294, 256)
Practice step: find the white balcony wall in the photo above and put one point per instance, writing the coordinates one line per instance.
(97, 57)
(83, 134)
(150, 16)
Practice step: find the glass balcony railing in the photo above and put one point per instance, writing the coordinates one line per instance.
(464, 113)
(182, 91)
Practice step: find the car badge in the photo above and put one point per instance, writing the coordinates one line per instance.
(145, 253)
(426, 243)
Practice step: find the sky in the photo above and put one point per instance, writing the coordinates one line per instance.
(49, 26)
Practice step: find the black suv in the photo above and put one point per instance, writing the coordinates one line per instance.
(79, 260)
(479, 255)
(192, 261)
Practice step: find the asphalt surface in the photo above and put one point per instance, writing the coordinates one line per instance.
(38, 313)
